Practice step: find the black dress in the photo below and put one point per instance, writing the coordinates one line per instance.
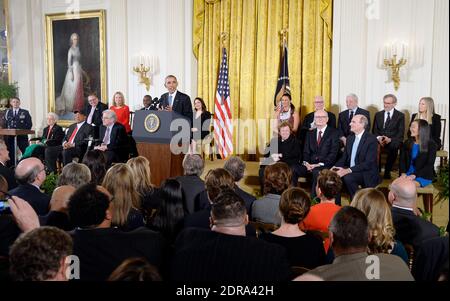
(304, 251)
(199, 123)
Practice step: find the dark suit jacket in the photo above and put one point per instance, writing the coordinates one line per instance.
(289, 148)
(326, 152)
(411, 229)
(118, 140)
(83, 133)
(306, 124)
(191, 185)
(181, 104)
(395, 129)
(344, 121)
(21, 121)
(8, 174)
(38, 200)
(97, 117)
(424, 162)
(365, 160)
(201, 123)
(435, 128)
(56, 135)
(248, 199)
(204, 255)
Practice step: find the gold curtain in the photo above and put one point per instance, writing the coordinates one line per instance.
(254, 49)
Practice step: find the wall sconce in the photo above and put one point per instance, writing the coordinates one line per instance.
(395, 56)
(142, 65)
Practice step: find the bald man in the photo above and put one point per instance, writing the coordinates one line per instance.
(410, 228)
(58, 215)
(30, 174)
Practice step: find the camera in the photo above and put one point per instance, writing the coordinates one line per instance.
(4, 207)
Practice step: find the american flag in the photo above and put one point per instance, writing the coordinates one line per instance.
(223, 126)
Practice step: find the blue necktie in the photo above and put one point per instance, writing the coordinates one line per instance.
(170, 100)
(354, 150)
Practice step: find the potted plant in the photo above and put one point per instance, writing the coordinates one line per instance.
(6, 92)
(442, 184)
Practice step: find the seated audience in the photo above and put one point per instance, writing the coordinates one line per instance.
(200, 124)
(74, 174)
(302, 249)
(427, 113)
(74, 145)
(100, 247)
(431, 258)
(5, 171)
(321, 148)
(308, 123)
(277, 178)
(285, 112)
(30, 174)
(418, 154)
(127, 206)
(345, 117)
(40, 255)
(329, 185)
(225, 254)
(349, 235)
(389, 128)
(58, 215)
(114, 139)
(168, 219)
(358, 164)
(236, 167)
(191, 183)
(409, 228)
(93, 112)
(284, 148)
(374, 205)
(95, 160)
(135, 269)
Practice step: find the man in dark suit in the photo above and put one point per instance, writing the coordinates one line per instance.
(30, 174)
(75, 143)
(236, 167)
(17, 118)
(346, 116)
(321, 147)
(409, 228)
(100, 247)
(389, 128)
(358, 164)
(5, 171)
(113, 137)
(93, 113)
(224, 253)
(191, 183)
(52, 134)
(308, 122)
(175, 100)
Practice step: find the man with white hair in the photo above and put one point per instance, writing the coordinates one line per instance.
(345, 117)
(308, 123)
(113, 138)
(409, 228)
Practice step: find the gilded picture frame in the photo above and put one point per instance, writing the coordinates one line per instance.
(76, 61)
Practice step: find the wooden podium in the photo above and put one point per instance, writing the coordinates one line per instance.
(154, 137)
(15, 133)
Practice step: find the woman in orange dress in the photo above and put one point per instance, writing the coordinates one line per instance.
(122, 110)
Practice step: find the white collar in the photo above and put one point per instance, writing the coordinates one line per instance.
(391, 112)
(404, 208)
(322, 130)
(360, 135)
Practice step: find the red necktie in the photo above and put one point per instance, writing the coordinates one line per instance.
(49, 131)
(319, 138)
(73, 134)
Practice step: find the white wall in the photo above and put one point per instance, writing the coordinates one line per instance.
(162, 28)
(362, 27)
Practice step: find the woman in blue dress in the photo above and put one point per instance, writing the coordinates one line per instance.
(418, 154)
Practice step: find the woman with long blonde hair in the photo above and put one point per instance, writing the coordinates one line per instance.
(374, 205)
(427, 113)
(126, 202)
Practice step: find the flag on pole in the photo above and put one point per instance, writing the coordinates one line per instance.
(223, 126)
(283, 78)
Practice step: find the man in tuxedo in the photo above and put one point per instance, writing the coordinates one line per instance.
(409, 228)
(358, 164)
(75, 143)
(389, 128)
(113, 137)
(30, 174)
(321, 147)
(5, 171)
(93, 112)
(17, 118)
(308, 122)
(175, 100)
(346, 116)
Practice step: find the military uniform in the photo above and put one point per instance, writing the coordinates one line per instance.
(17, 119)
